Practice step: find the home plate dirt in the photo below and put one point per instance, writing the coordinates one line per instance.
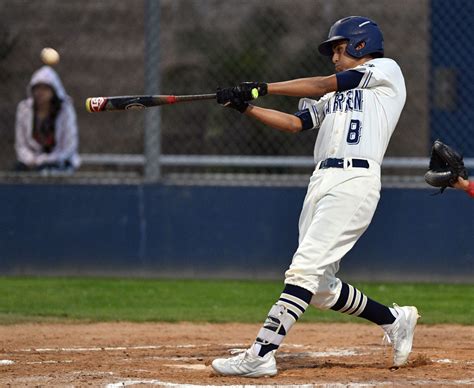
(172, 355)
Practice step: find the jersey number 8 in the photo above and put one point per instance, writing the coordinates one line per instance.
(353, 135)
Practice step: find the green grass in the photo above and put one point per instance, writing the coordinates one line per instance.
(139, 300)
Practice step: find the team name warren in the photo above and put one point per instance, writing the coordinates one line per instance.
(345, 101)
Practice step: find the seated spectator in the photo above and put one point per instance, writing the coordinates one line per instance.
(46, 136)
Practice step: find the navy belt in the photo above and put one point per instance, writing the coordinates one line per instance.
(339, 163)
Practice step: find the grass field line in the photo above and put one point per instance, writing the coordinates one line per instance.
(109, 348)
(341, 352)
(331, 352)
(281, 355)
(187, 366)
(144, 347)
(168, 384)
(442, 382)
(50, 362)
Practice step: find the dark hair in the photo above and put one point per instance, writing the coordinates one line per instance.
(56, 102)
(43, 132)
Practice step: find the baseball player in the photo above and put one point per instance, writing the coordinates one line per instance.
(356, 112)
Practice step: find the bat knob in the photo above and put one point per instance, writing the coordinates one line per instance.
(96, 104)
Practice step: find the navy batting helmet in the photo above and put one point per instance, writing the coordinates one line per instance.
(356, 30)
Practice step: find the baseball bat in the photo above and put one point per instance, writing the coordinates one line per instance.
(101, 104)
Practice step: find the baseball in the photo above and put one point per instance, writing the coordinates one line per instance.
(49, 56)
(255, 93)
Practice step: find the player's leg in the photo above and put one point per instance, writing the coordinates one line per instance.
(259, 359)
(343, 211)
(398, 322)
(284, 313)
(339, 221)
(353, 302)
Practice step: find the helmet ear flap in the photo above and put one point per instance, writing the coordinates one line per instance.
(355, 48)
(359, 45)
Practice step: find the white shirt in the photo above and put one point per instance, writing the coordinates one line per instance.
(358, 123)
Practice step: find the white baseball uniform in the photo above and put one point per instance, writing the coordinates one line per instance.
(355, 127)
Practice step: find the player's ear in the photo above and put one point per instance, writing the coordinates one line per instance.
(360, 46)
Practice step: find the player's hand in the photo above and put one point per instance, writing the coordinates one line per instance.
(232, 98)
(248, 87)
(244, 93)
(461, 184)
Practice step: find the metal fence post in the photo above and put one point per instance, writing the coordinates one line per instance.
(152, 86)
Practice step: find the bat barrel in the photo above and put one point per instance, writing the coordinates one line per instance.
(100, 104)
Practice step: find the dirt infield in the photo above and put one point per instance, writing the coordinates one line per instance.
(118, 354)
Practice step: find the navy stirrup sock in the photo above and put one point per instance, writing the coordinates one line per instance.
(353, 302)
(285, 312)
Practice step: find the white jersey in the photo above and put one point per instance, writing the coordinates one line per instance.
(358, 123)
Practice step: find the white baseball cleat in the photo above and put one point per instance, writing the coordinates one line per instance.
(245, 364)
(400, 333)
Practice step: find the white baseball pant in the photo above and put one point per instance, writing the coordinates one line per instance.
(338, 208)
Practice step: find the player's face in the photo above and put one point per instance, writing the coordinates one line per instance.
(343, 61)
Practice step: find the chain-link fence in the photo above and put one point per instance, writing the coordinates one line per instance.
(194, 46)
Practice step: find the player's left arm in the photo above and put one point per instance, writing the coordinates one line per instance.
(283, 121)
(304, 87)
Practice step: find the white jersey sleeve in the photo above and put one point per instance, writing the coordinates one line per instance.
(383, 74)
(315, 108)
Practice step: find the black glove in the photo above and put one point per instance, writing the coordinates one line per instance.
(261, 87)
(233, 98)
(446, 166)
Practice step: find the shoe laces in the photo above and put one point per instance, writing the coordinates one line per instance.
(386, 340)
(391, 334)
(239, 356)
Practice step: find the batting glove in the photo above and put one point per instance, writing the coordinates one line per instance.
(232, 98)
(261, 87)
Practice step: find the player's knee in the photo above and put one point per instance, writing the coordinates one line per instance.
(327, 294)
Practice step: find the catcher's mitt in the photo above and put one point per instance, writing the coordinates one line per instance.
(446, 166)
